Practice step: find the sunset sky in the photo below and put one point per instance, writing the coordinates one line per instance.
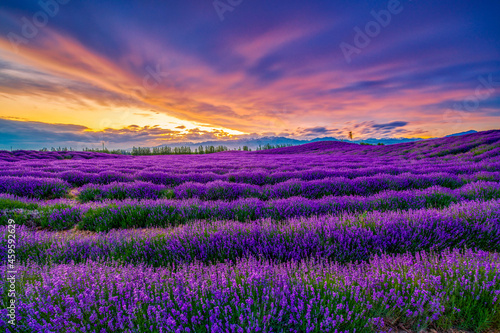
(75, 73)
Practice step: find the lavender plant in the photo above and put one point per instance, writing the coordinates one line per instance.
(452, 289)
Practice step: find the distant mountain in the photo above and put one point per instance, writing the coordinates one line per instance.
(461, 133)
(253, 143)
(276, 140)
(388, 141)
(323, 139)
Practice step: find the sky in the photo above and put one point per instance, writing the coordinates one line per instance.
(78, 73)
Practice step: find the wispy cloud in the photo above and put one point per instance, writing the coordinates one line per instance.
(391, 125)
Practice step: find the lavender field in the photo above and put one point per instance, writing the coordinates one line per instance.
(322, 237)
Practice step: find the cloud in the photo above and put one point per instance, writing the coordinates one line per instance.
(315, 131)
(35, 135)
(390, 125)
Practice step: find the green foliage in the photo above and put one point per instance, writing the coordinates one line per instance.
(167, 193)
(14, 204)
(60, 217)
(129, 216)
(17, 210)
(183, 150)
(439, 200)
(107, 151)
(19, 217)
(89, 194)
(270, 146)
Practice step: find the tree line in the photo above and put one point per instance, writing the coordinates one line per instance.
(183, 150)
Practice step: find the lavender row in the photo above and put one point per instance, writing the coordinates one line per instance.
(220, 190)
(342, 239)
(450, 290)
(160, 213)
(40, 188)
(54, 214)
(121, 191)
(10, 201)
